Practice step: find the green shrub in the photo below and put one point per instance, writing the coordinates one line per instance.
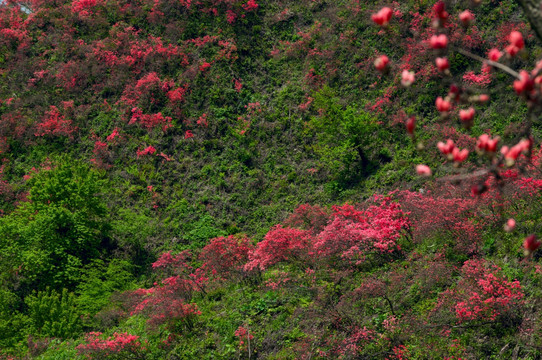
(63, 227)
(53, 314)
(100, 281)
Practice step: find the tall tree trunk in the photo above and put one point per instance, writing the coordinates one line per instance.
(533, 11)
(363, 158)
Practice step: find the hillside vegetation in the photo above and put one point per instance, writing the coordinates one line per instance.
(237, 179)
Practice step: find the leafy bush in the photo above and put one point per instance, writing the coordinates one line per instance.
(61, 228)
(53, 314)
(99, 282)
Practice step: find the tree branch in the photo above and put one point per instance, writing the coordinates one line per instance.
(504, 68)
(533, 11)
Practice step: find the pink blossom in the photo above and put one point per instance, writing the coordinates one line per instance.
(423, 170)
(439, 41)
(382, 17)
(446, 148)
(442, 64)
(460, 155)
(510, 225)
(466, 17)
(494, 54)
(485, 143)
(467, 115)
(407, 78)
(531, 244)
(443, 105)
(381, 63)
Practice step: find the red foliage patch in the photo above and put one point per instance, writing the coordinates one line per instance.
(118, 345)
(55, 124)
(279, 244)
(224, 256)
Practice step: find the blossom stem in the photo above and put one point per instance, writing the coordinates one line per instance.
(504, 68)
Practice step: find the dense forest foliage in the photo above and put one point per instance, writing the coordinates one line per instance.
(256, 179)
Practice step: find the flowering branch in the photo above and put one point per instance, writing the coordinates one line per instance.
(503, 67)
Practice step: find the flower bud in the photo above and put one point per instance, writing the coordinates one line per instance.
(381, 63)
(442, 64)
(407, 78)
(466, 18)
(516, 43)
(525, 84)
(494, 55)
(382, 17)
(531, 244)
(515, 38)
(443, 105)
(423, 170)
(483, 98)
(510, 225)
(438, 41)
(460, 155)
(411, 125)
(446, 148)
(467, 115)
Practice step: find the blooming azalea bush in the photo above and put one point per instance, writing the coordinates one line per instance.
(225, 256)
(355, 234)
(350, 234)
(483, 294)
(55, 124)
(168, 302)
(245, 337)
(116, 346)
(279, 244)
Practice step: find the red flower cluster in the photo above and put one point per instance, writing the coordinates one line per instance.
(516, 43)
(149, 150)
(486, 144)
(119, 344)
(225, 255)
(524, 146)
(453, 152)
(484, 295)
(167, 303)
(383, 16)
(55, 124)
(279, 244)
(244, 335)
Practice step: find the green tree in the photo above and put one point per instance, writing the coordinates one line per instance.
(64, 225)
(100, 281)
(349, 141)
(12, 322)
(53, 314)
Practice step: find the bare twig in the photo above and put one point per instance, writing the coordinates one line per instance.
(461, 177)
(248, 338)
(498, 65)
